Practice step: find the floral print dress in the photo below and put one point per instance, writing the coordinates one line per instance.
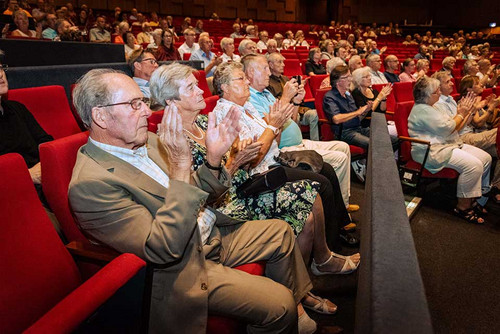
(292, 202)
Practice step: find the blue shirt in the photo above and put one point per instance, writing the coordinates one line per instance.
(334, 104)
(206, 58)
(291, 134)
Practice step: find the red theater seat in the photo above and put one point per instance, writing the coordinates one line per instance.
(292, 67)
(41, 288)
(315, 82)
(49, 105)
(211, 102)
(201, 76)
(403, 91)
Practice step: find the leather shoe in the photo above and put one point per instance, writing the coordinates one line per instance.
(349, 239)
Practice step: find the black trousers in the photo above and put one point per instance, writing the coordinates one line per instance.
(336, 215)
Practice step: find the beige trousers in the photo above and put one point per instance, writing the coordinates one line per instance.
(268, 304)
(486, 140)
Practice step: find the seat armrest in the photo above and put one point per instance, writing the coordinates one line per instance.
(91, 253)
(70, 312)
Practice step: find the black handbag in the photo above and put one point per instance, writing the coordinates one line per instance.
(268, 181)
(305, 159)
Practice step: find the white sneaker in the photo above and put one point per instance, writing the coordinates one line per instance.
(306, 324)
(359, 169)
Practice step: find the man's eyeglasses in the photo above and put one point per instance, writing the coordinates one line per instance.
(136, 103)
(152, 61)
(345, 77)
(4, 67)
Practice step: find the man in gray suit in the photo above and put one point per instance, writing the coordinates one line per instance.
(134, 191)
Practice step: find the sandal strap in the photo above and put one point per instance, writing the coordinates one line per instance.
(324, 263)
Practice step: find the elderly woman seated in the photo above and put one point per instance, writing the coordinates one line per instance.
(313, 64)
(227, 46)
(330, 65)
(363, 92)
(298, 203)
(231, 84)
(21, 21)
(447, 150)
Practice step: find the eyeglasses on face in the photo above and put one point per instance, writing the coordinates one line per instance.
(136, 103)
(152, 61)
(346, 77)
(4, 67)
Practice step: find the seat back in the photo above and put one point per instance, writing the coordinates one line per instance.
(315, 82)
(58, 159)
(391, 100)
(403, 91)
(49, 105)
(154, 120)
(326, 130)
(292, 67)
(186, 56)
(401, 115)
(201, 76)
(211, 103)
(37, 271)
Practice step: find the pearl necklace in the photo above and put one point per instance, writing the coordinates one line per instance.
(199, 130)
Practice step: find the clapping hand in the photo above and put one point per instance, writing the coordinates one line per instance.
(244, 151)
(171, 136)
(466, 104)
(219, 138)
(386, 91)
(279, 113)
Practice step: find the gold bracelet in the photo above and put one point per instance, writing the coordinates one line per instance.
(460, 116)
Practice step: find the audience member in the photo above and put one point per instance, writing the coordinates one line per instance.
(448, 65)
(123, 28)
(236, 31)
(279, 41)
(247, 47)
(423, 53)
(391, 64)
(189, 46)
(99, 34)
(227, 46)
(330, 65)
(130, 45)
(407, 69)
(50, 32)
(355, 62)
(327, 50)
(143, 64)
(166, 49)
(289, 41)
(314, 66)
(374, 63)
(263, 38)
(300, 39)
(428, 123)
(250, 30)
(208, 57)
(272, 47)
(12, 7)
(485, 140)
(145, 35)
(422, 68)
(488, 74)
(21, 21)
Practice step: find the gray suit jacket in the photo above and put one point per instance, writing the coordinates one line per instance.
(119, 206)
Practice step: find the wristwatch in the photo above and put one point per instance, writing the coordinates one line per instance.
(274, 129)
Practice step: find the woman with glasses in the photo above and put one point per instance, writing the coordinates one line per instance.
(167, 50)
(447, 150)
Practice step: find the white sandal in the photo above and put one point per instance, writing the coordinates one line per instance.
(321, 307)
(348, 267)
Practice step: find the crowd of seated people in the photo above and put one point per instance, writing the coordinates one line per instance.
(256, 117)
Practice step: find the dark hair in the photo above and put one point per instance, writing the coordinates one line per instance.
(467, 82)
(171, 48)
(337, 72)
(405, 64)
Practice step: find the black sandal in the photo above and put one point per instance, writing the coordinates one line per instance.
(479, 209)
(469, 215)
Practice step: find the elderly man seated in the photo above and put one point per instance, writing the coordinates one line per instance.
(189, 45)
(391, 64)
(145, 36)
(247, 47)
(143, 64)
(263, 38)
(335, 153)
(134, 191)
(205, 54)
(374, 62)
(99, 34)
(448, 65)
(276, 83)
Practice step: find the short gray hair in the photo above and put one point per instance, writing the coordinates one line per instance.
(275, 56)
(358, 74)
(448, 60)
(249, 59)
(423, 89)
(332, 63)
(272, 41)
(243, 45)
(224, 42)
(91, 91)
(223, 75)
(441, 75)
(468, 65)
(371, 58)
(165, 82)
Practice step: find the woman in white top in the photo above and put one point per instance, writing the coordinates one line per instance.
(130, 44)
(227, 46)
(22, 23)
(300, 39)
